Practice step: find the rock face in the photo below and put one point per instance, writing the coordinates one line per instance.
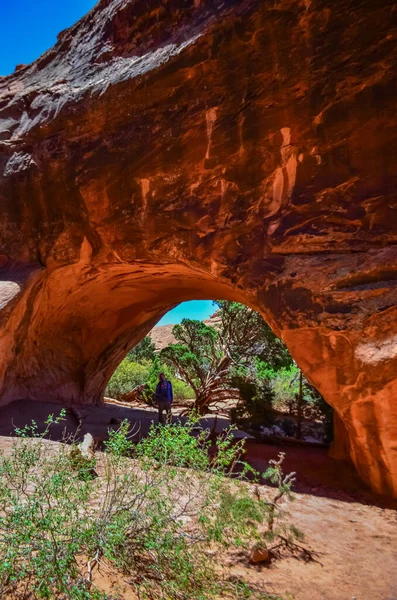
(199, 149)
(162, 335)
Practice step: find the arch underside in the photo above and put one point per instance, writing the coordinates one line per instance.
(208, 150)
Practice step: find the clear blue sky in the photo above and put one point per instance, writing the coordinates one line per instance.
(196, 309)
(30, 27)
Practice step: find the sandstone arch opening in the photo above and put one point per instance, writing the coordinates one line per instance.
(241, 149)
(229, 364)
(251, 183)
(84, 318)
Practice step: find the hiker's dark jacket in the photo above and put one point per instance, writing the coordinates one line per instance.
(164, 391)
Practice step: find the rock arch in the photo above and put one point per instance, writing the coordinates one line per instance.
(164, 151)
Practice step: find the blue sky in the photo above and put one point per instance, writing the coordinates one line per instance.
(30, 27)
(195, 309)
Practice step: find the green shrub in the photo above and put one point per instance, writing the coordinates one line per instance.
(285, 385)
(126, 377)
(256, 399)
(149, 520)
(182, 391)
(145, 350)
(130, 375)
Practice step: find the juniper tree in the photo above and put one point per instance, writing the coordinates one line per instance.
(210, 357)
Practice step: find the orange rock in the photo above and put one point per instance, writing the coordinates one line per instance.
(259, 554)
(227, 150)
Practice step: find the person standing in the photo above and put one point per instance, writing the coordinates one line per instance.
(164, 397)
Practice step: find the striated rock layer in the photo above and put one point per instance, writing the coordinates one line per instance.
(184, 149)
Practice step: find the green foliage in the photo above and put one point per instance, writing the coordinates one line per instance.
(32, 430)
(118, 443)
(130, 375)
(256, 399)
(265, 389)
(145, 350)
(209, 358)
(285, 383)
(236, 518)
(182, 391)
(285, 386)
(248, 336)
(126, 377)
(149, 520)
(195, 354)
(174, 446)
(278, 527)
(41, 527)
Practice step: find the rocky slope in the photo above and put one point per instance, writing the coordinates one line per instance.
(238, 149)
(162, 335)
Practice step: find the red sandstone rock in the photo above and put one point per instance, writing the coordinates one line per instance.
(243, 150)
(340, 447)
(259, 555)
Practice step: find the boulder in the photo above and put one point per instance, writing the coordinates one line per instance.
(259, 555)
(87, 447)
(82, 457)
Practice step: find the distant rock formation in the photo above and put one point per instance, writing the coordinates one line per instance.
(233, 149)
(162, 335)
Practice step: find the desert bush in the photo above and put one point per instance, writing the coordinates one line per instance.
(285, 386)
(206, 357)
(182, 391)
(150, 518)
(126, 377)
(255, 401)
(130, 374)
(144, 350)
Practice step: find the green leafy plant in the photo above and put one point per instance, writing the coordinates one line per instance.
(207, 357)
(118, 442)
(144, 350)
(255, 401)
(149, 519)
(294, 394)
(280, 533)
(126, 377)
(276, 528)
(130, 375)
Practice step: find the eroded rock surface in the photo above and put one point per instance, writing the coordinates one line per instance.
(238, 149)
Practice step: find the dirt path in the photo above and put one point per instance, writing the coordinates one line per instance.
(353, 530)
(358, 550)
